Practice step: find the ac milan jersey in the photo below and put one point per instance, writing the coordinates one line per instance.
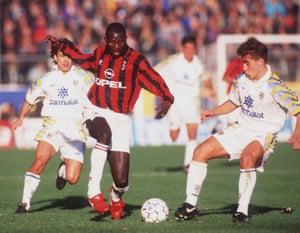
(119, 80)
(263, 103)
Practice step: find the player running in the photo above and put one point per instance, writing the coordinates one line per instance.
(63, 92)
(120, 73)
(184, 72)
(264, 100)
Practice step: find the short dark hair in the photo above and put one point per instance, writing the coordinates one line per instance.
(115, 27)
(53, 50)
(188, 39)
(254, 48)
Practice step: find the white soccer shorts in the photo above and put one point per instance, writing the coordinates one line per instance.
(65, 135)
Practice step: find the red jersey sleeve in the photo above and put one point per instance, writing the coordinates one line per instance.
(153, 82)
(85, 61)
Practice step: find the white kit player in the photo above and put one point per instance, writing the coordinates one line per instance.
(184, 73)
(63, 92)
(264, 101)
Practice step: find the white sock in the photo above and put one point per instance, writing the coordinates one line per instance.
(31, 183)
(196, 175)
(97, 163)
(117, 193)
(189, 150)
(247, 182)
(62, 172)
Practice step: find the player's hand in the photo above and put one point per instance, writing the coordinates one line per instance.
(162, 109)
(207, 114)
(59, 44)
(53, 40)
(17, 123)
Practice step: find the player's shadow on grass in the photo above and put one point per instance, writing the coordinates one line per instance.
(230, 209)
(68, 203)
(127, 212)
(171, 169)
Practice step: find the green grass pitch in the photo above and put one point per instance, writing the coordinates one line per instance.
(154, 172)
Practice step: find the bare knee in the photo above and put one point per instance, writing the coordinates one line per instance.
(209, 149)
(200, 154)
(72, 179)
(100, 130)
(252, 156)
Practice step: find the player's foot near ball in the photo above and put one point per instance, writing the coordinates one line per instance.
(240, 217)
(116, 209)
(186, 212)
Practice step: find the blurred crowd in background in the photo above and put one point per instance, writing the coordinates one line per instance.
(154, 27)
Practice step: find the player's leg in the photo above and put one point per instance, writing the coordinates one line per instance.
(100, 130)
(72, 153)
(73, 170)
(174, 133)
(43, 154)
(209, 149)
(190, 116)
(250, 159)
(190, 144)
(68, 171)
(119, 165)
(174, 121)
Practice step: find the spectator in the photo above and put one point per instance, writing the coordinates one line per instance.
(170, 20)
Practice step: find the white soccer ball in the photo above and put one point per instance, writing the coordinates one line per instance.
(154, 210)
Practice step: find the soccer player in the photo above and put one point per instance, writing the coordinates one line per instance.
(63, 92)
(120, 73)
(264, 100)
(183, 73)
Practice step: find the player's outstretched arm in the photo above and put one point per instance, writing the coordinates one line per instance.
(53, 41)
(207, 114)
(221, 109)
(59, 44)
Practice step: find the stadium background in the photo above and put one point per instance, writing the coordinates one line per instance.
(154, 28)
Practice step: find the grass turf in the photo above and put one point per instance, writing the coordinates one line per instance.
(154, 172)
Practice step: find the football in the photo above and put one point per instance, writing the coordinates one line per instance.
(154, 210)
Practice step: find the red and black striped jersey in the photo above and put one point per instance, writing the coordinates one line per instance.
(119, 80)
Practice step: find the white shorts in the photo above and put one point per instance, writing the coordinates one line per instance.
(119, 124)
(184, 111)
(235, 138)
(64, 135)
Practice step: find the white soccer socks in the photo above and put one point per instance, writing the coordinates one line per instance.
(97, 163)
(189, 150)
(247, 182)
(196, 175)
(117, 193)
(62, 171)
(31, 183)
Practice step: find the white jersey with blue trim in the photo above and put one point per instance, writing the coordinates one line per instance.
(263, 103)
(182, 77)
(64, 95)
